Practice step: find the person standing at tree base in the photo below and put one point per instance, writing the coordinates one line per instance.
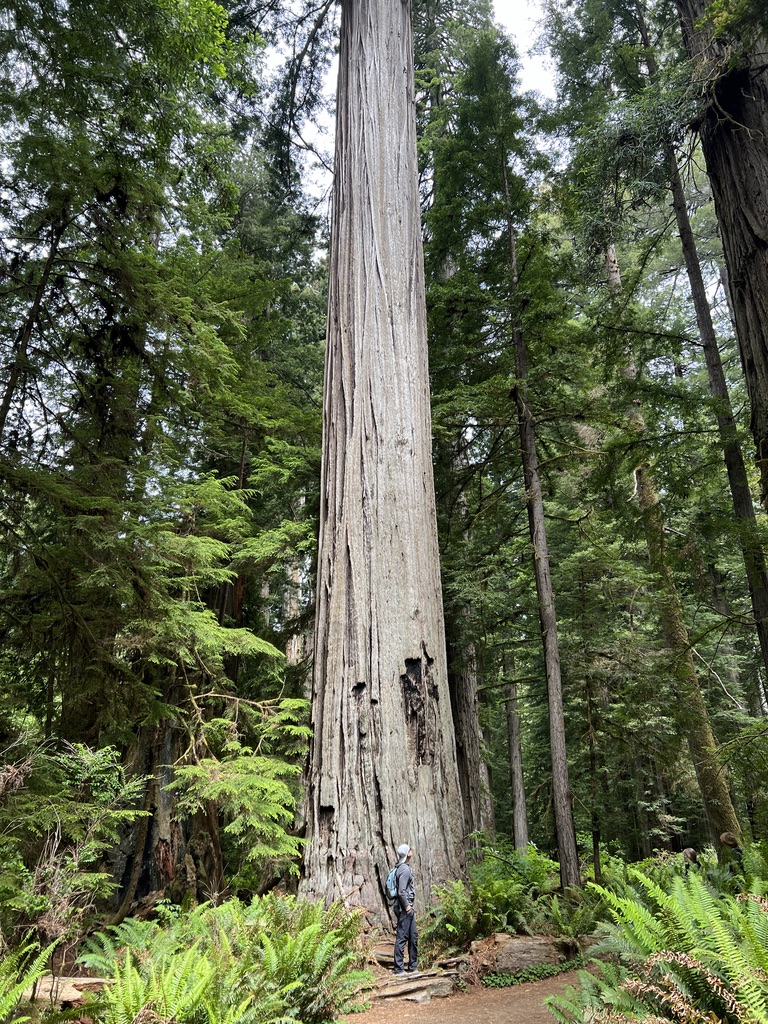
(406, 933)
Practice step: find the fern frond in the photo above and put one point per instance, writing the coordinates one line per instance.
(18, 973)
(641, 930)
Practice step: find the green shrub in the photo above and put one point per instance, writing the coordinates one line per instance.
(688, 953)
(509, 891)
(504, 905)
(573, 914)
(61, 811)
(452, 922)
(532, 869)
(277, 959)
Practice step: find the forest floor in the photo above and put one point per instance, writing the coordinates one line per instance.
(518, 1004)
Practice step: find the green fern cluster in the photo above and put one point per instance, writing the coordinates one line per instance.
(274, 960)
(684, 954)
(19, 971)
(574, 913)
(453, 921)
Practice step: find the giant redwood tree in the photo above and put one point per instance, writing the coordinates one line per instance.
(382, 762)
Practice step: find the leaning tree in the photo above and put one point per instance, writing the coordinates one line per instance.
(382, 763)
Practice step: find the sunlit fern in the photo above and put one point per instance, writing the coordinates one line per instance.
(172, 989)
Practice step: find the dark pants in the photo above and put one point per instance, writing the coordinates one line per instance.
(406, 933)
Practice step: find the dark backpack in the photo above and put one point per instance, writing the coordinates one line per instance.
(391, 884)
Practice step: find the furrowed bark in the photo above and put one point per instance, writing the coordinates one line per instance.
(382, 761)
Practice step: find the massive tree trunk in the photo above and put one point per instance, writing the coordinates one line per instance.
(734, 140)
(382, 762)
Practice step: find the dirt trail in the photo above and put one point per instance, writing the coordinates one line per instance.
(518, 1004)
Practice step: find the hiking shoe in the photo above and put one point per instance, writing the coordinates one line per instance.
(398, 972)
(413, 970)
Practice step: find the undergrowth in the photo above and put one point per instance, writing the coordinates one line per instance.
(278, 959)
(686, 953)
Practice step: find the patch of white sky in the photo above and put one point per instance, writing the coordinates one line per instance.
(523, 20)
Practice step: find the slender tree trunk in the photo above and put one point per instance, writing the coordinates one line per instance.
(19, 360)
(465, 706)
(594, 785)
(473, 772)
(561, 788)
(691, 711)
(641, 807)
(692, 715)
(612, 269)
(749, 540)
(382, 762)
(734, 140)
(517, 782)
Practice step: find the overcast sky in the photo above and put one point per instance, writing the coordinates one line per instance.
(521, 18)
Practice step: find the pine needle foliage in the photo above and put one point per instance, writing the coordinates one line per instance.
(683, 954)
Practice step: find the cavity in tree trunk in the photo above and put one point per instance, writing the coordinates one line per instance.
(734, 140)
(382, 761)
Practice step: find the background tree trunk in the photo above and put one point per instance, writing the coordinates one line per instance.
(382, 761)
(691, 711)
(561, 787)
(517, 782)
(749, 539)
(473, 771)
